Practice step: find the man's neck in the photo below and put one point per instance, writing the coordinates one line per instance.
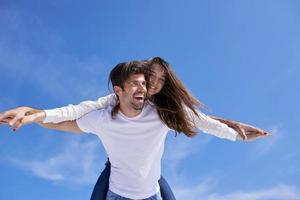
(129, 112)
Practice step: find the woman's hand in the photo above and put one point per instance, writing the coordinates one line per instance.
(246, 132)
(20, 116)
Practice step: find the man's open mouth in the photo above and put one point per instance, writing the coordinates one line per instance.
(139, 98)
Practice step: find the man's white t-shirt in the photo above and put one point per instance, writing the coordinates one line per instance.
(134, 147)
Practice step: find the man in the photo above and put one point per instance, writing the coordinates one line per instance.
(131, 132)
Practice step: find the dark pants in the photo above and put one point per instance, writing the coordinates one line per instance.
(101, 187)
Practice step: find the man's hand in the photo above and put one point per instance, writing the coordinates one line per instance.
(20, 116)
(246, 131)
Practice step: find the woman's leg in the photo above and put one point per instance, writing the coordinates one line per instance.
(101, 187)
(165, 190)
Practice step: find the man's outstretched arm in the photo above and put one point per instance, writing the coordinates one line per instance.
(20, 116)
(68, 126)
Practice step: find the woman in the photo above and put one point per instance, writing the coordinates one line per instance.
(172, 100)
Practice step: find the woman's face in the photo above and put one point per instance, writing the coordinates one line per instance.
(156, 79)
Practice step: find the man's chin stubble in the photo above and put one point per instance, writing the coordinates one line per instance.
(137, 107)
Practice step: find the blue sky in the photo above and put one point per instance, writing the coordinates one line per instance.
(240, 58)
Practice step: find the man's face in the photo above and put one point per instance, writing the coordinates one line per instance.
(134, 93)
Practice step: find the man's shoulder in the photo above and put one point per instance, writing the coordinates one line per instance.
(99, 113)
(149, 105)
(104, 111)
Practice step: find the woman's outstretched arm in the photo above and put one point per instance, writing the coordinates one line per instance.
(246, 131)
(21, 116)
(224, 128)
(73, 112)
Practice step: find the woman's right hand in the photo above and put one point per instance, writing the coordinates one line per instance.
(20, 116)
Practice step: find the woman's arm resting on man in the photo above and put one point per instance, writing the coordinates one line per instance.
(73, 112)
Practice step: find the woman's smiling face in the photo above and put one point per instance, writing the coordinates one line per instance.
(156, 79)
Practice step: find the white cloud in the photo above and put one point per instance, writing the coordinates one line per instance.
(77, 163)
(280, 192)
(194, 192)
(207, 190)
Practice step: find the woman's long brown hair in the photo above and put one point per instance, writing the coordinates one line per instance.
(173, 101)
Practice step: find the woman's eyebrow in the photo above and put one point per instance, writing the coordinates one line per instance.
(135, 81)
(153, 72)
(164, 76)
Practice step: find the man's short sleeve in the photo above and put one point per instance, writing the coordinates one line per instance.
(89, 123)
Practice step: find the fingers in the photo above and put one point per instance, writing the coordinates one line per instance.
(267, 134)
(20, 116)
(10, 115)
(246, 132)
(17, 125)
(17, 118)
(14, 115)
(5, 121)
(234, 125)
(240, 131)
(26, 120)
(23, 121)
(255, 131)
(257, 135)
(6, 116)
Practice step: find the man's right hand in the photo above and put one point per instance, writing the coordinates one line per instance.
(20, 116)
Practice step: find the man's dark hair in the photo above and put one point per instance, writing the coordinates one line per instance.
(121, 73)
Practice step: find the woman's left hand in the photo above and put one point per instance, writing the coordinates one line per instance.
(246, 132)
